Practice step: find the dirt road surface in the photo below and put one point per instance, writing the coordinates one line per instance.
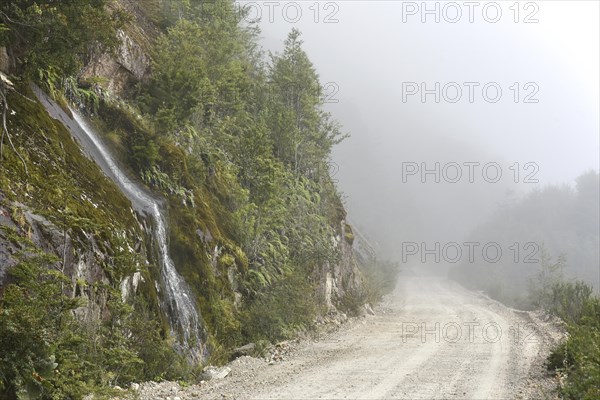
(430, 339)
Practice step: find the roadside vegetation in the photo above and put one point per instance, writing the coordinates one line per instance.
(559, 224)
(546, 222)
(577, 360)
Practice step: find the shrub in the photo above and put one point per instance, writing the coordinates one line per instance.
(579, 357)
(284, 308)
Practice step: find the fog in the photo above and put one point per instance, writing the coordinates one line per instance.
(540, 109)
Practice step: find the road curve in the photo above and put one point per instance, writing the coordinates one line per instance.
(431, 339)
(435, 340)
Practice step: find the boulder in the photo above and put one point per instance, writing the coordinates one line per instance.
(245, 350)
(211, 372)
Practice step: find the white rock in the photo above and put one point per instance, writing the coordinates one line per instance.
(5, 80)
(211, 372)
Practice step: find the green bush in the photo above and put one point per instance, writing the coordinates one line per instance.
(569, 300)
(281, 310)
(45, 353)
(34, 318)
(578, 358)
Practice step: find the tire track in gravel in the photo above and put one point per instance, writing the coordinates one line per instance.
(430, 339)
(416, 352)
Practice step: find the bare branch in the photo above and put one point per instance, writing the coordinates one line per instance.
(5, 85)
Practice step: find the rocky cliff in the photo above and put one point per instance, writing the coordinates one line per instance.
(251, 274)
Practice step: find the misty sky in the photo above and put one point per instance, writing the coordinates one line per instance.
(370, 54)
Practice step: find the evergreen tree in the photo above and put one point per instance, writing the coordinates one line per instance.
(303, 133)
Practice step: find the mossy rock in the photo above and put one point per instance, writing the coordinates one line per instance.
(348, 234)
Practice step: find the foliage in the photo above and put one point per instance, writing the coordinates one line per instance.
(543, 284)
(46, 353)
(59, 36)
(200, 73)
(288, 229)
(569, 300)
(33, 314)
(281, 309)
(160, 362)
(251, 140)
(578, 358)
(37, 320)
(239, 146)
(155, 177)
(302, 132)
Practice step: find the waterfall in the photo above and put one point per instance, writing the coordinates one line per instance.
(176, 295)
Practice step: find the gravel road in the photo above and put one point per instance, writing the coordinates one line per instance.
(431, 338)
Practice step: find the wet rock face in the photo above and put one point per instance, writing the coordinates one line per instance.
(78, 258)
(132, 57)
(79, 255)
(128, 64)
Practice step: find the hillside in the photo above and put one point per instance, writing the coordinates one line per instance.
(230, 145)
